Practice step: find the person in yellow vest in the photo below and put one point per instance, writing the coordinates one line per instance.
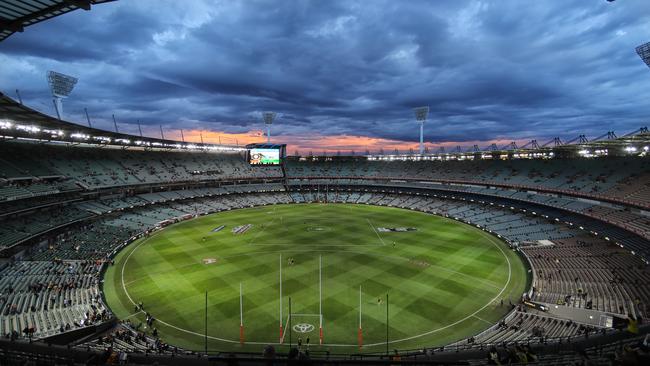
(632, 325)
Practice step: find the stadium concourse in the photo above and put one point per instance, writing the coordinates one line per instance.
(67, 209)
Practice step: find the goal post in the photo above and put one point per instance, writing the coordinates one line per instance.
(281, 333)
(301, 322)
(320, 299)
(241, 315)
(360, 332)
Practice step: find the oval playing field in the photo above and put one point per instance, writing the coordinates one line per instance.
(444, 279)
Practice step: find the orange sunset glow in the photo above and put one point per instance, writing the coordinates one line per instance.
(328, 144)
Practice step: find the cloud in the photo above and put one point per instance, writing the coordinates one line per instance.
(341, 72)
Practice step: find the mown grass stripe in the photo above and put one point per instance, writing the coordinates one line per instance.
(466, 271)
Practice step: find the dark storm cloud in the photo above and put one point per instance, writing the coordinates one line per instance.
(488, 69)
(86, 36)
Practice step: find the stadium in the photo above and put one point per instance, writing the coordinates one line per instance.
(118, 247)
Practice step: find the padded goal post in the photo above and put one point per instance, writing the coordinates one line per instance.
(306, 322)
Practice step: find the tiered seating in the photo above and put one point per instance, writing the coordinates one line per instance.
(636, 221)
(94, 168)
(630, 351)
(591, 177)
(115, 194)
(15, 229)
(21, 163)
(522, 326)
(49, 297)
(126, 338)
(635, 187)
(92, 241)
(33, 188)
(593, 274)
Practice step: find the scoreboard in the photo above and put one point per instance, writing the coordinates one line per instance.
(265, 154)
(259, 156)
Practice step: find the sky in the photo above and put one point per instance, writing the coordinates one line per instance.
(344, 75)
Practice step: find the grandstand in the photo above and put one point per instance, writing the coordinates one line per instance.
(68, 209)
(76, 200)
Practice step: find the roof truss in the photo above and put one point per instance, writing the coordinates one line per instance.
(15, 15)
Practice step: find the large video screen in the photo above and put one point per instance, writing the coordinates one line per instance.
(260, 156)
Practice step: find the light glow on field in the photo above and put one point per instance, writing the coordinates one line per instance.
(354, 253)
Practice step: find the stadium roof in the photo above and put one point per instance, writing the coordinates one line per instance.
(20, 121)
(635, 142)
(265, 146)
(15, 15)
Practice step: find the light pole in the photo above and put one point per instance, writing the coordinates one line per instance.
(421, 114)
(644, 52)
(268, 121)
(61, 86)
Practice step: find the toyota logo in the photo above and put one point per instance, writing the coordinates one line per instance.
(303, 328)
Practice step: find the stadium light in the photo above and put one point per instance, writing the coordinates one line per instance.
(268, 121)
(61, 86)
(644, 52)
(421, 114)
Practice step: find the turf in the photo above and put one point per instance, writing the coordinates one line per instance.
(445, 280)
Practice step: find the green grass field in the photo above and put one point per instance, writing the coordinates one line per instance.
(444, 280)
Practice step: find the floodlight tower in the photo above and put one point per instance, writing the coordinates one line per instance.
(421, 114)
(644, 52)
(268, 121)
(61, 86)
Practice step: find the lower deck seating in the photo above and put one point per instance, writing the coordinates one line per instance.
(590, 273)
(523, 326)
(49, 297)
(126, 337)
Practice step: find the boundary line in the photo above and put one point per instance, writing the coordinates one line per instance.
(164, 322)
(479, 318)
(463, 319)
(489, 237)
